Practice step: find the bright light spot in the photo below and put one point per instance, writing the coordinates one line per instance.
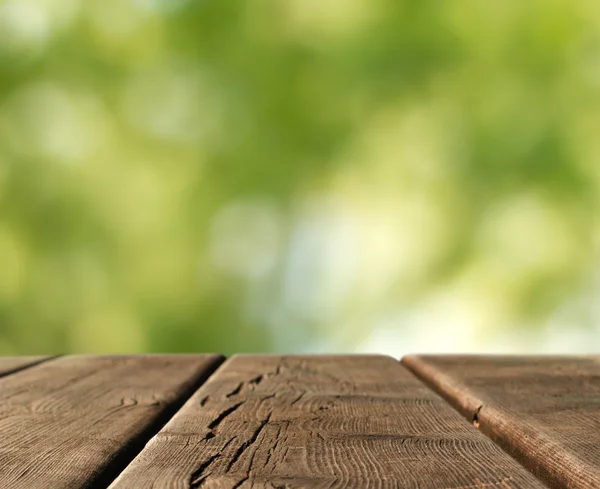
(527, 234)
(321, 265)
(176, 102)
(328, 19)
(398, 188)
(61, 12)
(385, 341)
(26, 25)
(400, 239)
(161, 5)
(114, 19)
(401, 147)
(24, 28)
(45, 120)
(245, 238)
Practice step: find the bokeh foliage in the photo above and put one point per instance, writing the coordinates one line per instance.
(292, 175)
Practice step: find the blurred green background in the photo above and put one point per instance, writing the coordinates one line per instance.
(299, 175)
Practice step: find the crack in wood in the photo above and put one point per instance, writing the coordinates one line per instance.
(274, 447)
(298, 398)
(475, 418)
(235, 391)
(254, 381)
(250, 464)
(214, 424)
(240, 482)
(198, 477)
(244, 446)
(257, 380)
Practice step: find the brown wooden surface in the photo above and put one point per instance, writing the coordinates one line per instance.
(545, 411)
(75, 422)
(312, 422)
(10, 365)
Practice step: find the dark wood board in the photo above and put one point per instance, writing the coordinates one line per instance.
(319, 422)
(545, 411)
(75, 422)
(10, 365)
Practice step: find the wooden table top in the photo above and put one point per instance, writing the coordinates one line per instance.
(264, 421)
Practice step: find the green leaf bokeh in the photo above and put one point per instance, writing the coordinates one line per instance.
(297, 175)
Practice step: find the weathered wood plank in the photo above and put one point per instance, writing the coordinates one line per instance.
(321, 421)
(11, 365)
(545, 411)
(75, 422)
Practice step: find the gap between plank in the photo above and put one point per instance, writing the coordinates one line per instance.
(130, 451)
(466, 405)
(469, 406)
(27, 366)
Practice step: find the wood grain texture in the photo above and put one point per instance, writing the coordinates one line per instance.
(319, 422)
(11, 365)
(75, 422)
(545, 411)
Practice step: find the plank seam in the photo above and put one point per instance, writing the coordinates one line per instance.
(27, 366)
(129, 452)
(559, 475)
